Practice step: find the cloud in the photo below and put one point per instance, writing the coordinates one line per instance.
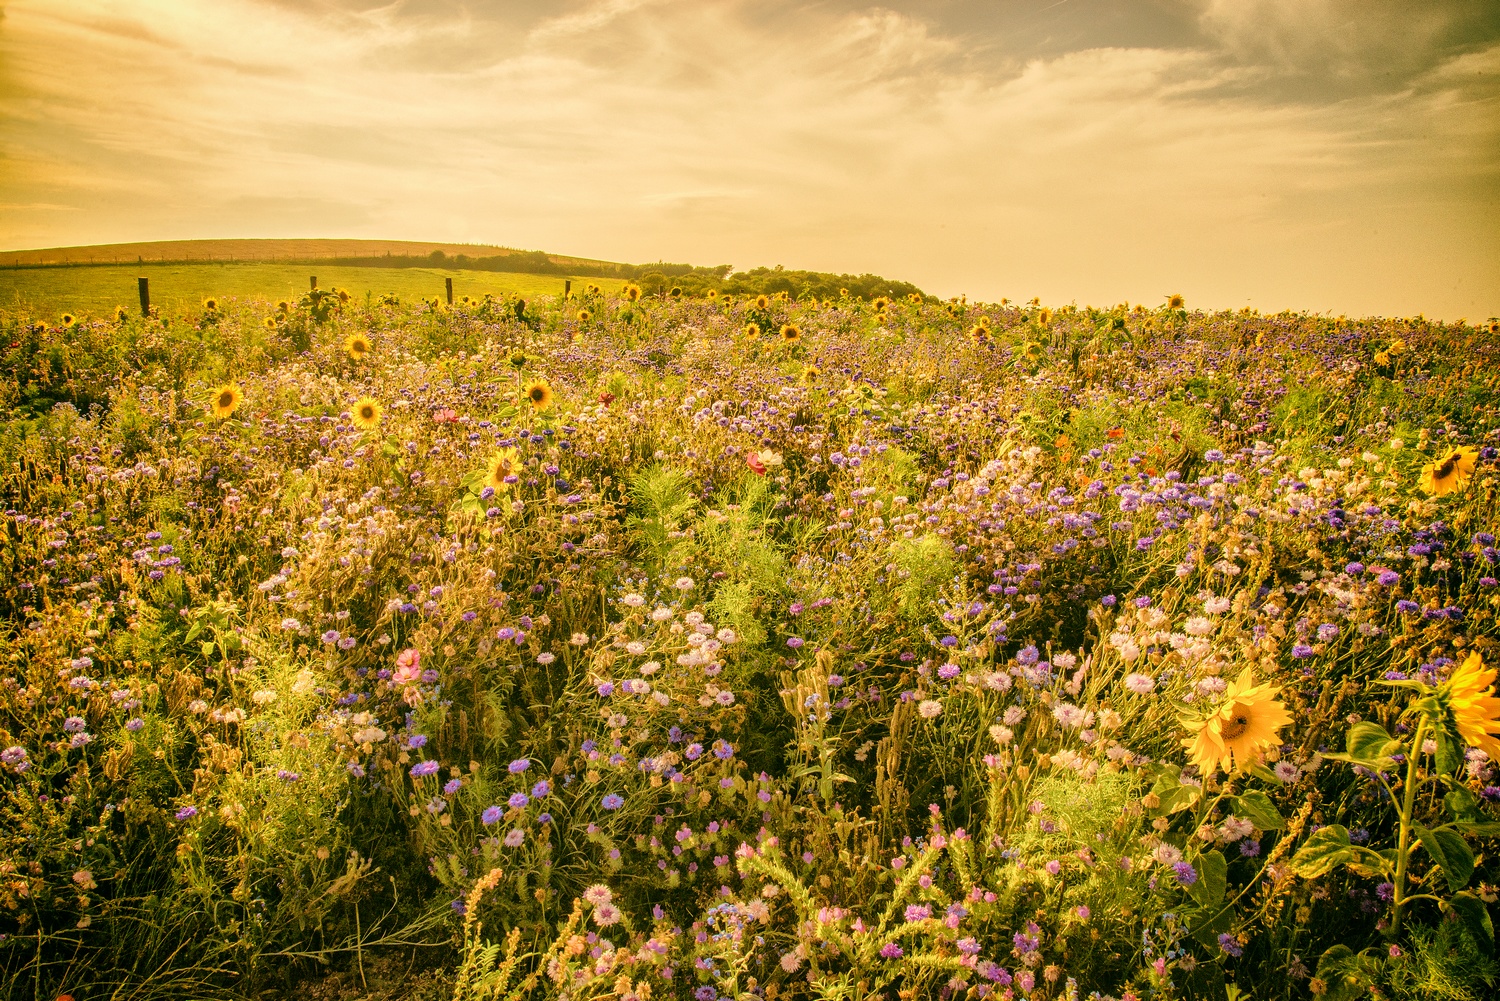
(996, 149)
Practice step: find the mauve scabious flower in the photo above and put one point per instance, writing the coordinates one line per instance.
(519, 765)
(135, 724)
(187, 813)
(891, 951)
(491, 815)
(612, 801)
(1388, 578)
(1185, 873)
(423, 768)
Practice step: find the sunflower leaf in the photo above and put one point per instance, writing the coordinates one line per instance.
(1451, 852)
(1256, 807)
(1368, 744)
(1476, 917)
(1213, 873)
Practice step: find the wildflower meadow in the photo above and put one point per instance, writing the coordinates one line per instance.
(674, 644)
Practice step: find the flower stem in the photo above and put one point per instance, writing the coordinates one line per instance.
(1403, 843)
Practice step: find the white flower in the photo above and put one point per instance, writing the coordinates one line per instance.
(1198, 626)
(264, 697)
(1167, 854)
(1001, 734)
(650, 667)
(929, 708)
(633, 600)
(635, 648)
(661, 614)
(579, 639)
(1140, 684)
(683, 583)
(1235, 828)
(545, 657)
(1216, 606)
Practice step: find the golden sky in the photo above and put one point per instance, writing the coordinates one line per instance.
(1337, 155)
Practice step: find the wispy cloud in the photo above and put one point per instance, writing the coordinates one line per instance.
(997, 149)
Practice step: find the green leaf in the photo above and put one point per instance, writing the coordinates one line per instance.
(1256, 807)
(1370, 745)
(1476, 917)
(193, 631)
(1450, 851)
(1480, 828)
(1462, 803)
(208, 648)
(1450, 752)
(1213, 873)
(1326, 848)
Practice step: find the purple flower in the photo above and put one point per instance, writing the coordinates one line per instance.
(891, 951)
(135, 724)
(1231, 945)
(491, 815)
(422, 768)
(541, 789)
(1354, 568)
(452, 786)
(518, 800)
(1302, 650)
(519, 765)
(187, 813)
(74, 724)
(1388, 578)
(612, 801)
(794, 642)
(1185, 873)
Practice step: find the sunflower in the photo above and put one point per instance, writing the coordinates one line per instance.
(518, 359)
(1175, 301)
(226, 400)
(676, 292)
(880, 303)
(632, 292)
(762, 301)
(210, 305)
(1398, 347)
(1494, 327)
(752, 330)
(584, 316)
(121, 313)
(980, 333)
(1475, 708)
(810, 375)
(283, 306)
(270, 323)
(1044, 317)
(502, 464)
(1243, 725)
(357, 346)
(1448, 473)
(790, 332)
(68, 319)
(1382, 358)
(539, 394)
(713, 293)
(367, 411)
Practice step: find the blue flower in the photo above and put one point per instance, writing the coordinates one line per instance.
(612, 801)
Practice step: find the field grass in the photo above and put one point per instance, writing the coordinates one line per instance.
(97, 290)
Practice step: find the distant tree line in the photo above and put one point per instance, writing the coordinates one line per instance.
(658, 278)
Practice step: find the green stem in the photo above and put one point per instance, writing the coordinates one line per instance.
(1403, 843)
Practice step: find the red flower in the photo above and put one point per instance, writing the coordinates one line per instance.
(446, 416)
(606, 398)
(753, 461)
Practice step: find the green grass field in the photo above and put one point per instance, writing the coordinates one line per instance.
(97, 290)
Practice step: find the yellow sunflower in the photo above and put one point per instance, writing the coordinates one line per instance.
(880, 302)
(790, 332)
(632, 292)
(1175, 301)
(518, 359)
(762, 301)
(226, 400)
(1449, 473)
(752, 330)
(367, 411)
(1044, 317)
(68, 319)
(810, 375)
(584, 316)
(980, 333)
(502, 464)
(121, 313)
(357, 346)
(1398, 346)
(1243, 725)
(1476, 710)
(1382, 358)
(539, 394)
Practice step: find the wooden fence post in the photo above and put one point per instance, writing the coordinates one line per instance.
(567, 288)
(449, 283)
(314, 280)
(144, 284)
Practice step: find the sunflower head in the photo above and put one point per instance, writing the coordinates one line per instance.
(357, 346)
(1175, 301)
(1470, 692)
(501, 465)
(632, 292)
(283, 306)
(68, 319)
(1234, 733)
(1449, 472)
(539, 394)
(880, 303)
(676, 292)
(210, 305)
(810, 375)
(226, 400)
(790, 332)
(1495, 327)
(980, 333)
(270, 323)
(367, 413)
(1044, 317)
(752, 330)
(121, 313)
(584, 316)
(713, 293)
(518, 359)
(762, 301)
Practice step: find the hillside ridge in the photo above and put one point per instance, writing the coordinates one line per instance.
(257, 249)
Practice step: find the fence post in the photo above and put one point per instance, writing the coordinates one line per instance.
(144, 284)
(314, 280)
(449, 283)
(567, 288)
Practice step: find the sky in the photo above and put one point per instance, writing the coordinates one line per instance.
(1323, 155)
